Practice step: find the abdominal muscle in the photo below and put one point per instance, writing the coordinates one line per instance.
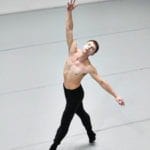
(73, 74)
(72, 81)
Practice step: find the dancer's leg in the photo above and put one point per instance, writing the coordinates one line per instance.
(65, 123)
(86, 121)
(73, 98)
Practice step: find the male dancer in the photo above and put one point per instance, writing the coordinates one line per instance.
(76, 67)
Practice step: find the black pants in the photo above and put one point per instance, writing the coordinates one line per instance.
(73, 106)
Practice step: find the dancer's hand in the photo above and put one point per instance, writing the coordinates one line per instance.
(120, 101)
(71, 5)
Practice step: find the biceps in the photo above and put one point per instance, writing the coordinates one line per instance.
(97, 77)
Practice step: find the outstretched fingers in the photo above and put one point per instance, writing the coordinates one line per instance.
(75, 5)
(72, 2)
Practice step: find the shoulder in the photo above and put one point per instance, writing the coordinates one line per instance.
(91, 68)
(73, 47)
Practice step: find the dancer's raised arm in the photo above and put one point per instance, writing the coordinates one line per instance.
(69, 23)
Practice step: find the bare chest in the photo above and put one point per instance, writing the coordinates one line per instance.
(75, 67)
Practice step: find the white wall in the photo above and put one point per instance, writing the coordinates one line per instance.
(13, 6)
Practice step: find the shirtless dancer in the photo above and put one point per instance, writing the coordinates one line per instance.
(76, 67)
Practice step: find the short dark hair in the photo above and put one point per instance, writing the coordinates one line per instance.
(96, 44)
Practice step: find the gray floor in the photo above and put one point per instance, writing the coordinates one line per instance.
(32, 53)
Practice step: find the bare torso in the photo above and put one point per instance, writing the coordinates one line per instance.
(74, 71)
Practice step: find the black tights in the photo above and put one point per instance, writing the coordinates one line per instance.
(74, 105)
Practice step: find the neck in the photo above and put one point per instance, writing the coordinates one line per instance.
(83, 57)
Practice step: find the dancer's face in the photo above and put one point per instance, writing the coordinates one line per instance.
(89, 48)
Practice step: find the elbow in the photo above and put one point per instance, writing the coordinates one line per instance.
(69, 25)
(101, 82)
(69, 29)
